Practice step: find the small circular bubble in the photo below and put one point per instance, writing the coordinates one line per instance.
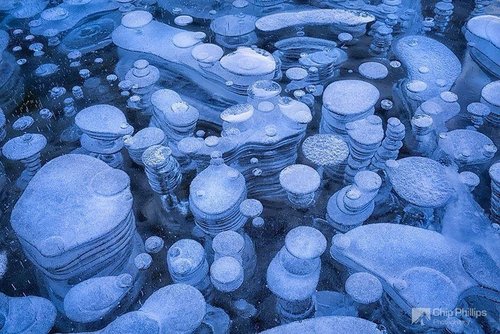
(299, 93)
(111, 78)
(386, 104)
(240, 3)
(345, 37)
(45, 113)
(423, 69)
(84, 73)
(73, 55)
(395, 64)
(22, 123)
(183, 20)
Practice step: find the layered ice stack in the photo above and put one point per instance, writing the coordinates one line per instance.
(393, 141)
(185, 55)
(290, 50)
(143, 77)
(483, 34)
(346, 101)
(103, 127)
(141, 141)
(352, 205)
(490, 97)
(215, 197)
(441, 108)
(323, 65)
(259, 138)
(75, 221)
(175, 117)
(244, 66)
(365, 137)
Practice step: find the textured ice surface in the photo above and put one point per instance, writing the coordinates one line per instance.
(466, 146)
(327, 325)
(350, 97)
(338, 17)
(482, 32)
(45, 216)
(419, 52)
(424, 270)
(181, 166)
(94, 298)
(420, 181)
(30, 315)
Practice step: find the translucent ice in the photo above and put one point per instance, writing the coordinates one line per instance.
(74, 220)
(484, 44)
(30, 315)
(424, 269)
(95, 298)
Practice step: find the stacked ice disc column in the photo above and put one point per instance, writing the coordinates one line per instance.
(477, 113)
(103, 127)
(423, 139)
(443, 11)
(490, 97)
(352, 205)
(215, 197)
(346, 101)
(393, 141)
(365, 137)
(164, 174)
(381, 42)
(238, 246)
(300, 183)
(495, 192)
(441, 108)
(259, 138)
(293, 274)
(175, 117)
(188, 264)
(141, 141)
(143, 77)
(322, 65)
(26, 149)
(75, 221)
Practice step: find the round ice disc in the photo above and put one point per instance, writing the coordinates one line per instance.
(373, 70)
(136, 19)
